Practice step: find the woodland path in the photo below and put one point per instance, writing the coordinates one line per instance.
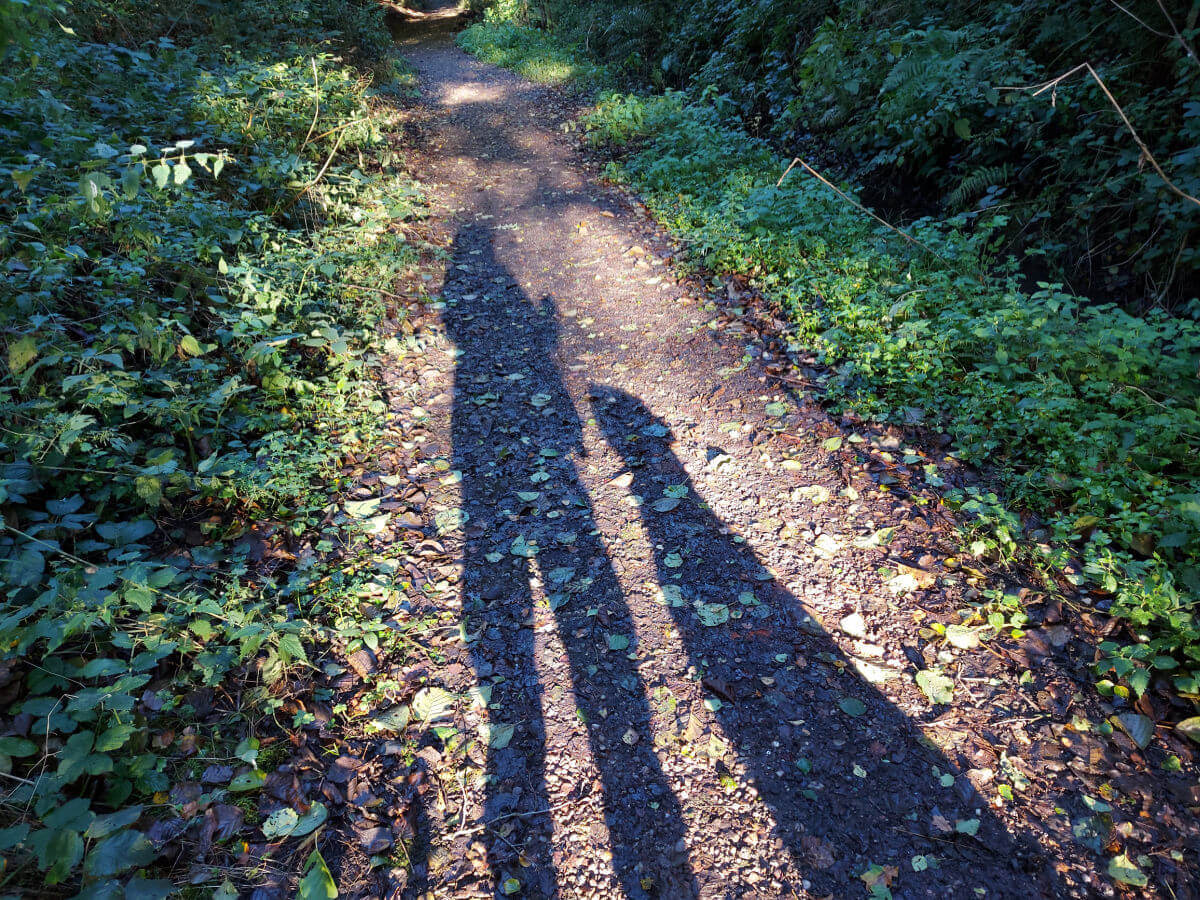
(672, 615)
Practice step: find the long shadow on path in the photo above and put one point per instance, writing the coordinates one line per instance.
(844, 772)
(515, 432)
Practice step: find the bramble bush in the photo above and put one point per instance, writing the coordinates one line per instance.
(187, 195)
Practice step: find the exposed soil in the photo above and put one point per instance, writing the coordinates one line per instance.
(681, 641)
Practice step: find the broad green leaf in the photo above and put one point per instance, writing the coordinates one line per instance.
(938, 687)
(317, 883)
(280, 824)
(248, 781)
(852, 706)
(118, 853)
(21, 353)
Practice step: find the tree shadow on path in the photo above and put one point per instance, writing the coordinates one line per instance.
(529, 522)
(845, 773)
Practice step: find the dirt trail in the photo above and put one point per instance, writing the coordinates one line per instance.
(684, 659)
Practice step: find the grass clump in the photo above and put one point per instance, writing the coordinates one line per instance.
(533, 53)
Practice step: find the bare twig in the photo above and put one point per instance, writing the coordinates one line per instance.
(1140, 21)
(462, 832)
(1187, 48)
(316, 104)
(1052, 86)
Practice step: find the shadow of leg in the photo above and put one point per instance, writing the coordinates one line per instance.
(529, 525)
(848, 778)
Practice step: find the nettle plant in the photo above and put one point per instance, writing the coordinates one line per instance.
(183, 200)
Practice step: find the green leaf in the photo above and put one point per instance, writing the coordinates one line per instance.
(58, 852)
(280, 824)
(118, 853)
(17, 746)
(433, 704)
(1140, 728)
(190, 346)
(392, 720)
(1190, 728)
(833, 443)
(523, 548)
(161, 174)
(1121, 868)
(103, 826)
(499, 735)
(311, 820)
(248, 781)
(962, 128)
(967, 826)
(361, 509)
(712, 614)
(937, 687)
(13, 836)
(317, 883)
(21, 353)
(618, 642)
(776, 408)
(852, 706)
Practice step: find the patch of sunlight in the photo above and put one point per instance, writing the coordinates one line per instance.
(473, 92)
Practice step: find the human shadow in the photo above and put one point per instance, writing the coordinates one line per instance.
(532, 555)
(847, 776)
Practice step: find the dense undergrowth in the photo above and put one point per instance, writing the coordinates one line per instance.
(1087, 414)
(188, 195)
(931, 107)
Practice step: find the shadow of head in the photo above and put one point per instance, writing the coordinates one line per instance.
(852, 782)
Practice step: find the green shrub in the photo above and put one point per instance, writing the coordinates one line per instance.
(1090, 414)
(186, 194)
(922, 102)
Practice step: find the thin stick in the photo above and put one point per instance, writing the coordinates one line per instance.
(363, 287)
(316, 104)
(462, 832)
(1053, 84)
(837, 190)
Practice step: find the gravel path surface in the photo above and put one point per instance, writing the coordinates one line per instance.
(684, 619)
